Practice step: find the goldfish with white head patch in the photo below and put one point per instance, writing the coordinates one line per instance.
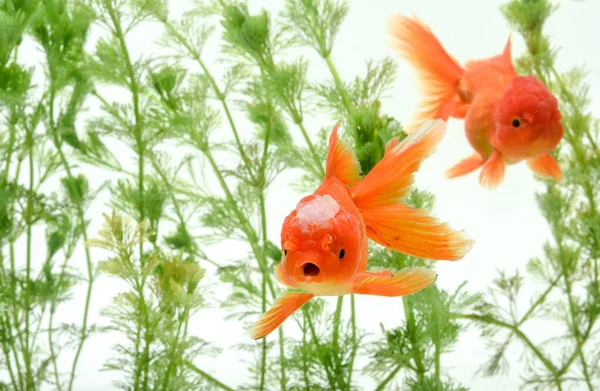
(325, 239)
(508, 118)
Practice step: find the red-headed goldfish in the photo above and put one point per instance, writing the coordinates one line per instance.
(324, 240)
(508, 118)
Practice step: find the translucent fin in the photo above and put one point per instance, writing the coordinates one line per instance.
(402, 283)
(390, 180)
(415, 232)
(391, 144)
(547, 167)
(465, 166)
(285, 305)
(492, 172)
(438, 73)
(341, 160)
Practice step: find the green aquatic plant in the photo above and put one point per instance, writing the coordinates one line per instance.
(568, 272)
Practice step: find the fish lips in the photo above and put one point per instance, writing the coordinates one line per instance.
(309, 269)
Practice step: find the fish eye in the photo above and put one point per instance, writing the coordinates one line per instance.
(516, 123)
(342, 253)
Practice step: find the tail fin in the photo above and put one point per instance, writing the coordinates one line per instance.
(439, 73)
(341, 160)
(394, 224)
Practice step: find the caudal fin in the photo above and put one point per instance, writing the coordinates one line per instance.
(341, 160)
(389, 221)
(439, 74)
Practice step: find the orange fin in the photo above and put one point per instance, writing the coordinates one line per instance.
(391, 178)
(547, 167)
(492, 172)
(391, 144)
(279, 276)
(415, 232)
(341, 160)
(401, 283)
(285, 305)
(465, 166)
(438, 73)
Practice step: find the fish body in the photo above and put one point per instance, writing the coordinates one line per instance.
(324, 240)
(508, 118)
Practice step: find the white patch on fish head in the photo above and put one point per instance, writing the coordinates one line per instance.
(317, 211)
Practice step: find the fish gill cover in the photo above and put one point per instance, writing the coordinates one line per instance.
(210, 122)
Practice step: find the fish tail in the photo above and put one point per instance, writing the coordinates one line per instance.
(389, 220)
(439, 74)
(341, 160)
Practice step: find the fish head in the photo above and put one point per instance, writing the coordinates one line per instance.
(527, 120)
(321, 243)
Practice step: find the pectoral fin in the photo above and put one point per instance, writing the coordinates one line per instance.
(465, 166)
(546, 166)
(401, 283)
(285, 305)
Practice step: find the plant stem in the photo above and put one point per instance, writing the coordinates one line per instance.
(140, 149)
(88, 258)
(354, 341)
(388, 378)
(6, 351)
(340, 86)
(29, 291)
(335, 338)
(326, 365)
(207, 377)
(220, 96)
(490, 320)
(410, 323)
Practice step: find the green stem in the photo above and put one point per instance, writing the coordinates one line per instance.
(354, 341)
(207, 377)
(217, 90)
(29, 292)
(340, 86)
(143, 370)
(534, 349)
(575, 327)
(388, 378)
(6, 350)
(172, 359)
(540, 300)
(326, 364)
(411, 326)
(336, 335)
(51, 346)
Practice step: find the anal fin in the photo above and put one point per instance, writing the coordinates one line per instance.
(404, 282)
(285, 305)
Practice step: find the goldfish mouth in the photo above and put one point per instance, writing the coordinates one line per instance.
(310, 270)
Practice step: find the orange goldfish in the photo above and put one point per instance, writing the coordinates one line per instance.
(324, 240)
(508, 118)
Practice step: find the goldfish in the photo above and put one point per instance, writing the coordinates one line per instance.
(324, 240)
(508, 118)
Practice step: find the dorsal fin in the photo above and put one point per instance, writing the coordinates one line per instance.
(341, 160)
(506, 52)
